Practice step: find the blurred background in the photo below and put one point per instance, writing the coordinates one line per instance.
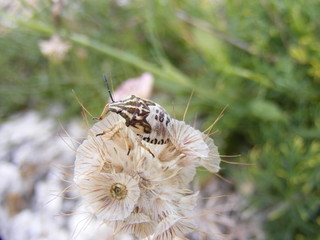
(260, 59)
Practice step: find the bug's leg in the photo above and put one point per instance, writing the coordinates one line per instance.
(103, 114)
(129, 144)
(102, 133)
(111, 131)
(139, 140)
(147, 149)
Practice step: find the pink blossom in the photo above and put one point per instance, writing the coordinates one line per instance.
(140, 87)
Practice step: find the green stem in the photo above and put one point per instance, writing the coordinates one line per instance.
(174, 76)
(168, 72)
(165, 71)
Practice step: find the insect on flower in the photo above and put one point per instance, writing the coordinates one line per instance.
(144, 117)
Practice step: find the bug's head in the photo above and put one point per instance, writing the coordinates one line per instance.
(133, 109)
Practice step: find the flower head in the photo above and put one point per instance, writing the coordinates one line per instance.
(172, 226)
(139, 224)
(191, 147)
(111, 196)
(139, 187)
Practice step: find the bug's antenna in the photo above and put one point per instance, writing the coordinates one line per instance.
(106, 80)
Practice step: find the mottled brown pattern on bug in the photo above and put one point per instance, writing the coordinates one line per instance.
(135, 111)
(146, 118)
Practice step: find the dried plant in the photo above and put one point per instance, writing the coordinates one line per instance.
(138, 187)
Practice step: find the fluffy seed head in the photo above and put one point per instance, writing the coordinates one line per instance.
(110, 196)
(139, 187)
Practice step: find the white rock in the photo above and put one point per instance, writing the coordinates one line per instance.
(10, 179)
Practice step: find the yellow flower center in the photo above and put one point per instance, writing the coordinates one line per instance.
(118, 191)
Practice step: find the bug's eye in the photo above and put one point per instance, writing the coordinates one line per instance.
(120, 111)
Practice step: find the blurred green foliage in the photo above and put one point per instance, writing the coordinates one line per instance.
(261, 58)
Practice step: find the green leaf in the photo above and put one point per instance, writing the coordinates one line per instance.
(267, 111)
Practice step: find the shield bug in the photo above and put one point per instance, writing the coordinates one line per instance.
(144, 117)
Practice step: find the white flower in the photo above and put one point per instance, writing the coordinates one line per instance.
(212, 161)
(172, 226)
(54, 48)
(197, 147)
(188, 140)
(110, 196)
(163, 207)
(138, 187)
(105, 153)
(187, 204)
(139, 224)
